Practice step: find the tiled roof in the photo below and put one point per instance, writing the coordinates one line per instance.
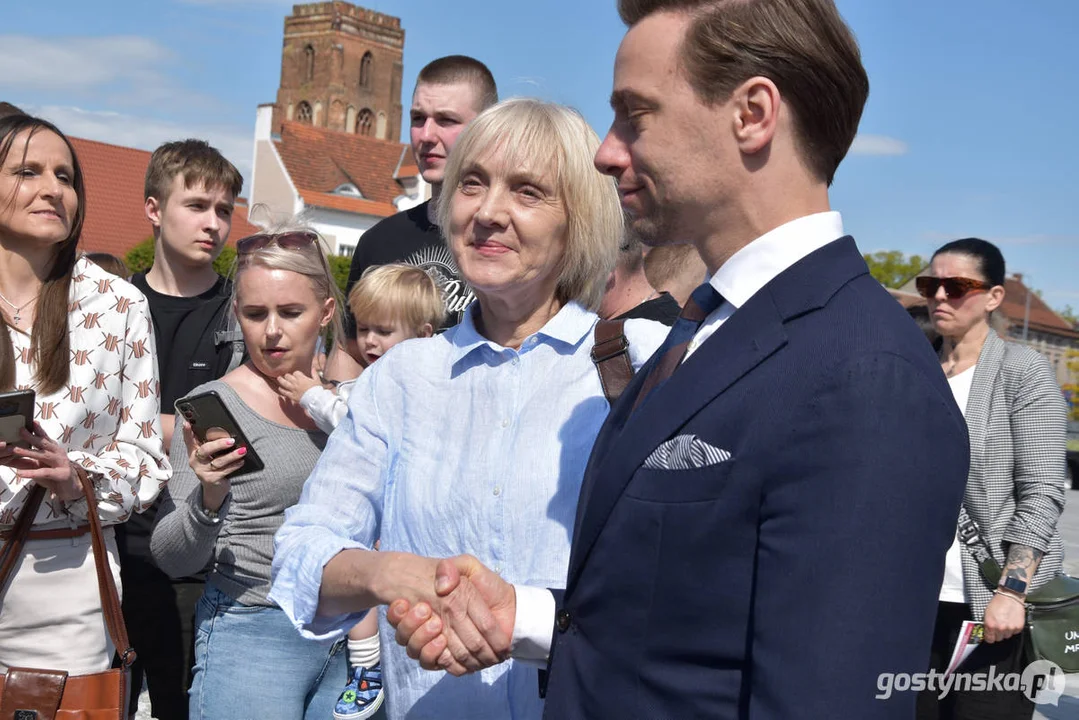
(348, 204)
(1014, 307)
(115, 218)
(320, 160)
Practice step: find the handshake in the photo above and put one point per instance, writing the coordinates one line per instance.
(466, 626)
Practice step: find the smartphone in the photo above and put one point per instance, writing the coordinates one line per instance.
(16, 411)
(211, 420)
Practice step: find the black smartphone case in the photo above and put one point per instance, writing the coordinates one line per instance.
(16, 411)
(206, 412)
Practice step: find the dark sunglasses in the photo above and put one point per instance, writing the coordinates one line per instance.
(287, 241)
(954, 287)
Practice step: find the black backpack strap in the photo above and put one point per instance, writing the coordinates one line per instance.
(610, 353)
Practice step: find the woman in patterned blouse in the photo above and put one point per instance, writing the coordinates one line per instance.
(83, 341)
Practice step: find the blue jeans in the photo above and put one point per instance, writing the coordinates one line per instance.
(252, 664)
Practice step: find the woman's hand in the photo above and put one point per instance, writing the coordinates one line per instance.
(213, 461)
(46, 463)
(293, 385)
(1004, 617)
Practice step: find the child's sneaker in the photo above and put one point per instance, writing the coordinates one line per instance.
(362, 696)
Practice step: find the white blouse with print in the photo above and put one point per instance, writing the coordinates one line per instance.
(108, 415)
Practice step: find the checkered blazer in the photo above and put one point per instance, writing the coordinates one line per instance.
(1016, 418)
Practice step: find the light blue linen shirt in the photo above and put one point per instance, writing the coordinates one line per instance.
(454, 444)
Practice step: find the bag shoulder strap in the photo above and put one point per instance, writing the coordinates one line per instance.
(106, 585)
(971, 536)
(13, 547)
(610, 353)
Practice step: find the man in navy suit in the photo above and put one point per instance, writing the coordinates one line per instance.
(763, 523)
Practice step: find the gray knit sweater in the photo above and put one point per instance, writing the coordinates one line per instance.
(240, 543)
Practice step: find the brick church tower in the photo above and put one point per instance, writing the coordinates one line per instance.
(341, 69)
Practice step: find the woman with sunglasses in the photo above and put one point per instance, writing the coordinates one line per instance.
(1015, 491)
(249, 660)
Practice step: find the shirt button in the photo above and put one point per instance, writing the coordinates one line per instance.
(505, 422)
(498, 490)
(516, 361)
(563, 621)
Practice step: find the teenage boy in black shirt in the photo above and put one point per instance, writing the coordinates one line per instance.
(450, 92)
(189, 196)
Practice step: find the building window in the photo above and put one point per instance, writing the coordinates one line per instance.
(303, 112)
(309, 64)
(346, 250)
(365, 70)
(365, 122)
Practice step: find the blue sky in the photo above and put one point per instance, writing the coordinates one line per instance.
(970, 127)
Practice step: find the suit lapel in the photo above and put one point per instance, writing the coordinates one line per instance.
(751, 334)
(977, 410)
(754, 332)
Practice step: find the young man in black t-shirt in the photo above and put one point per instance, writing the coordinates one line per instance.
(450, 92)
(189, 196)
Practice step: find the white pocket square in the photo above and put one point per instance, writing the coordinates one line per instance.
(685, 452)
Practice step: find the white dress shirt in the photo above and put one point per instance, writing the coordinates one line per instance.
(739, 279)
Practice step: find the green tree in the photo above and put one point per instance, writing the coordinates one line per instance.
(1068, 314)
(340, 265)
(892, 268)
(141, 257)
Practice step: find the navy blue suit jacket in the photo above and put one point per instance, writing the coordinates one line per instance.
(778, 584)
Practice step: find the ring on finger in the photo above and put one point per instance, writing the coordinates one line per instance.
(199, 456)
(212, 463)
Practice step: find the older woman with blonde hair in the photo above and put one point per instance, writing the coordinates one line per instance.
(474, 441)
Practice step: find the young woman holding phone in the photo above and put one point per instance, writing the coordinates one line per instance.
(285, 299)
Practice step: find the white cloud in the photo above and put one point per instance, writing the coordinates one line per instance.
(122, 69)
(878, 145)
(234, 142)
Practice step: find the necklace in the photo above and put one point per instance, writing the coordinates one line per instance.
(17, 309)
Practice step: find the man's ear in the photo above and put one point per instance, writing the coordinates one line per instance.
(756, 108)
(154, 211)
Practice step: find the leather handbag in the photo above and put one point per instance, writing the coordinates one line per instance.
(40, 694)
(1052, 609)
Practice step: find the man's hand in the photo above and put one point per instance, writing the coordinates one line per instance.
(294, 384)
(429, 634)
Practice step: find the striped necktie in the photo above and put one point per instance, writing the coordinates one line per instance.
(702, 303)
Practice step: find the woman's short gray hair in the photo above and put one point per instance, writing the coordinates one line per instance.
(532, 132)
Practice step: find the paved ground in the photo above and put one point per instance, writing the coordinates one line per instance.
(1069, 704)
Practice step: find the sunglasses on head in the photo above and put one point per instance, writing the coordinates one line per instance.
(954, 287)
(287, 241)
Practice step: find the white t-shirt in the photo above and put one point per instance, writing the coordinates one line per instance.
(952, 589)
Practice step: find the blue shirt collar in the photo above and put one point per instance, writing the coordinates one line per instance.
(568, 327)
